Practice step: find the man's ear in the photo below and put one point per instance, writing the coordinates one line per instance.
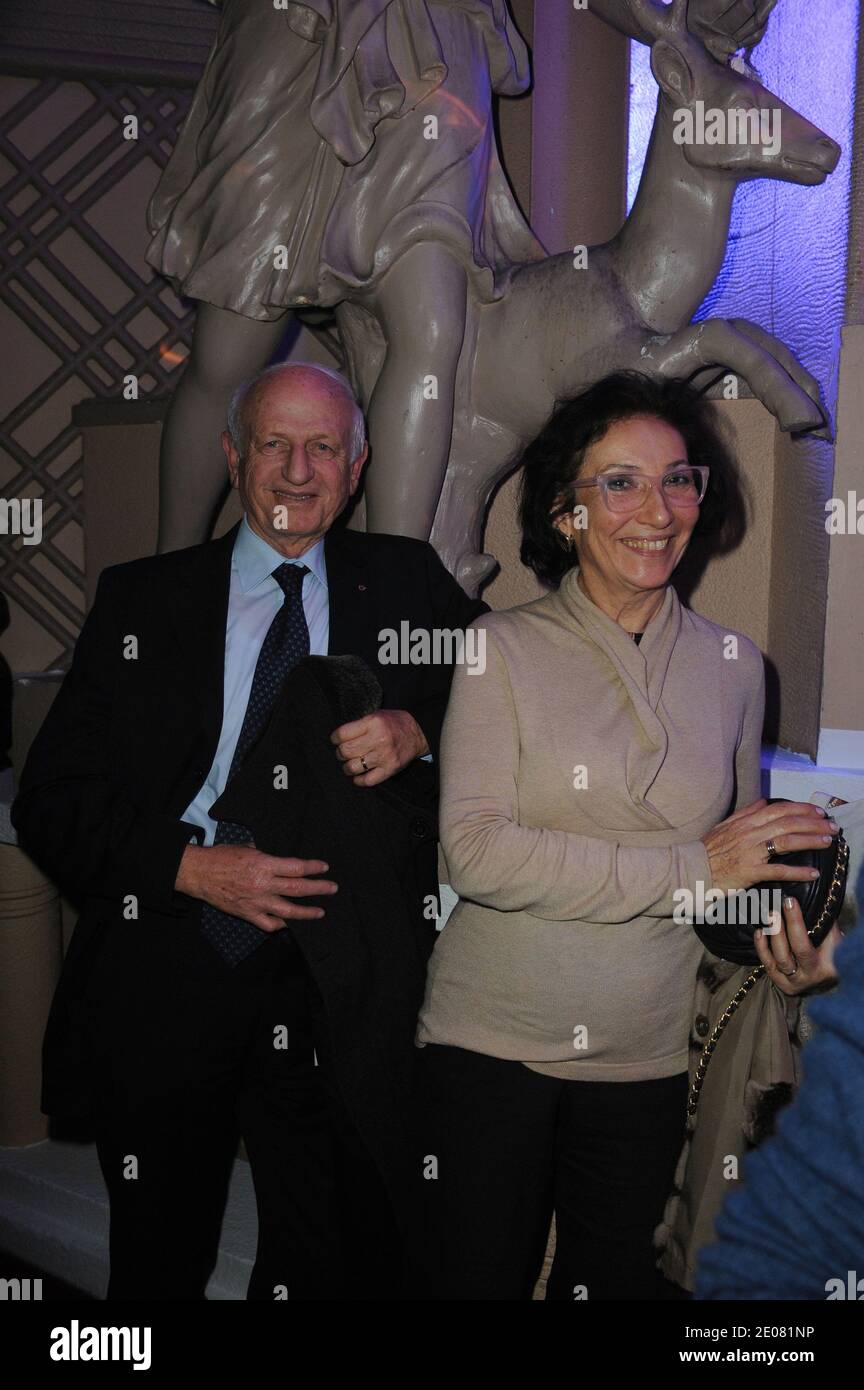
(357, 469)
(233, 458)
(672, 71)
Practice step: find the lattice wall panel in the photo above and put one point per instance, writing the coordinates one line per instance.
(79, 309)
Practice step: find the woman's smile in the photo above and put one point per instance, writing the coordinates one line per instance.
(646, 544)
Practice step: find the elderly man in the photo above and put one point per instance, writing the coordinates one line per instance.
(202, 997)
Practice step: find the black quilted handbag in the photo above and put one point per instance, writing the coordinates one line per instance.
(820, 898)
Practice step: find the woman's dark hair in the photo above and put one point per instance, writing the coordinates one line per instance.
(551, 462)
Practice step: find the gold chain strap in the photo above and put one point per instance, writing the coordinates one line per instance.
(829, 911)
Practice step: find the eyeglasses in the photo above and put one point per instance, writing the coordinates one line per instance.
(627, 492)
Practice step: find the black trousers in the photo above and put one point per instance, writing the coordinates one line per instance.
(189, 1055)
(501, 1147)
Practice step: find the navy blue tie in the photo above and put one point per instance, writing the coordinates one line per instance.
(286, 643)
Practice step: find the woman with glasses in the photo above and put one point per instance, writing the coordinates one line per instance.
(605, 762)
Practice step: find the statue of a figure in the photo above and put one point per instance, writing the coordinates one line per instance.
(630, 302)
(342, 153)
(338, 148)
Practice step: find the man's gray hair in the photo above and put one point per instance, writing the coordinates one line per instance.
(239, 430)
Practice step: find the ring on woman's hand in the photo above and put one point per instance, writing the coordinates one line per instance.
(771, 848)
(790, 973)
(364, 764)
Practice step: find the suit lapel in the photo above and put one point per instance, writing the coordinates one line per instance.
(200, 613)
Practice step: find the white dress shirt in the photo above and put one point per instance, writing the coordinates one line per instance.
(254, 600)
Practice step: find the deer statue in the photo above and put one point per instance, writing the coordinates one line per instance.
(558, 327)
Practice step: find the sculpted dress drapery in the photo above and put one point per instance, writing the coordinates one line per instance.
(308, 130)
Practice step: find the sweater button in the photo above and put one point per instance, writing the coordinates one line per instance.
(702, 1026)
(420, 829)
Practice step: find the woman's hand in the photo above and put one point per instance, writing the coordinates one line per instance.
(791, 960)
(738, 848)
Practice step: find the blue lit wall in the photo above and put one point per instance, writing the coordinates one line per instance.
(786, 262)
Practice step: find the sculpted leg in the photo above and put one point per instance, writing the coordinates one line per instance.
(763, 362)
(787, 359)
(226, 349)
(421, 306)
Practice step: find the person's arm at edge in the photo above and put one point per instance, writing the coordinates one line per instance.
(797, 1221)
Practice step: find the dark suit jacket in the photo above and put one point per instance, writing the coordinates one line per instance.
(132, 733)
(368, 955)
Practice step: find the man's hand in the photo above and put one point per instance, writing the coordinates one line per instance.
(374, 748)
(240, 880)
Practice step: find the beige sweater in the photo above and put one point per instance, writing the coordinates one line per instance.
(562, 952)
